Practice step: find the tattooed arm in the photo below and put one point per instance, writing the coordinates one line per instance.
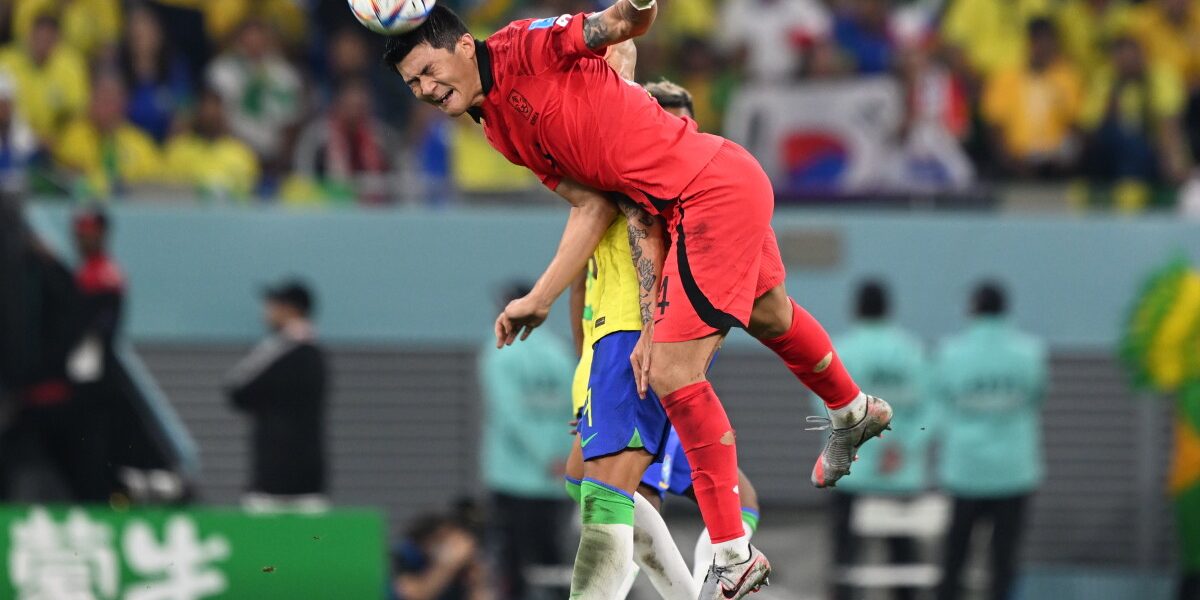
(647, 243)
(617, 23)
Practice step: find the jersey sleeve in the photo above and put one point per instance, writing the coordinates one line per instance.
(543, 44)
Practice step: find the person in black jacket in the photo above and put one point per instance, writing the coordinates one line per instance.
(281, 385)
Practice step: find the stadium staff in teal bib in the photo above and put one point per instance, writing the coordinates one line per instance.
(886, 358)
(991, 380)
(548, 101)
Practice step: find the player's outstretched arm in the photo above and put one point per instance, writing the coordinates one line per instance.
(622, 21)
(578, 298)
(648, 245)
(591, 215)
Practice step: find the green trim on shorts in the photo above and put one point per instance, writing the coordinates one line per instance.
(636, 440)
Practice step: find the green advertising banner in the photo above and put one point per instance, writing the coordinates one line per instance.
(72, 553)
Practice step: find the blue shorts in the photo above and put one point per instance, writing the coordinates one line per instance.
(613, 417)
(673, 475)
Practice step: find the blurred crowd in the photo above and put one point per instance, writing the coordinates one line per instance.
(285, 99)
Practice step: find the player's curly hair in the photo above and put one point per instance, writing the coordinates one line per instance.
(671, 95)
(441, 29)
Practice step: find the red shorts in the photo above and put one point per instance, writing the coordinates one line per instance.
(723, 251)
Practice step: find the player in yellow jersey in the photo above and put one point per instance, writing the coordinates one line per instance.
(606, 307)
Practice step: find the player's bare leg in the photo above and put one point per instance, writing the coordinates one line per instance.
(677, 373)
(621, 528)
(854, 417)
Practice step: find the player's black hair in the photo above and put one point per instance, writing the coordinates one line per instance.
(671, 95)
(989, 299)
(441, 29)
(873, 300)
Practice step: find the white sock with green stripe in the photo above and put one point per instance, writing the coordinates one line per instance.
(605, 542)
(703, 557)
(654, 550)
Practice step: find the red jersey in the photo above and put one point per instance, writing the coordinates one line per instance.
(555, 106)
(100, 275)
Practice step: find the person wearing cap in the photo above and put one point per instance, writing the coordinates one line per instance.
(524, 389)
(884, 357)
(990, 380)
(282, 386)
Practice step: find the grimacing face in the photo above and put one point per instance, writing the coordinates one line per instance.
(447, 80)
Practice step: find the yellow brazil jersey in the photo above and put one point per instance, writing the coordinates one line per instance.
(1169, 40)
(48, 95)
(224, 165)
(1087, 31)
(611, 302)
(87, 25)
(1033, 111)
(992, 33)
(126, 155)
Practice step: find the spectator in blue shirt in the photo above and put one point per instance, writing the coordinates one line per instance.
(861, 30)
(991, 380)
(159, 80)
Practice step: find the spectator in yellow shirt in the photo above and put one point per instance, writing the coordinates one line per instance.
(991, 33)
(1132, 115)
(1032, 108)
(88, 26)
(109, 154)
(1088, 29)
(207, 158)
(1169, 31)
(51, 78)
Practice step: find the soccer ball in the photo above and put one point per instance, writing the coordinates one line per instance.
(391, 17)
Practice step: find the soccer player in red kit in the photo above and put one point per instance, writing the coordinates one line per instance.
(548, 101)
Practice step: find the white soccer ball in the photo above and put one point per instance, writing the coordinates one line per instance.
(391, 17)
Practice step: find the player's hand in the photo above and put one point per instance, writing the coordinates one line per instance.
(519, 318)
(640, 359)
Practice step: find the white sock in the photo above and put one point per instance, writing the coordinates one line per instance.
(733, 551)
(654, 550)
(849, 414)
(702, 558)
(631, 573)
(605, 552)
